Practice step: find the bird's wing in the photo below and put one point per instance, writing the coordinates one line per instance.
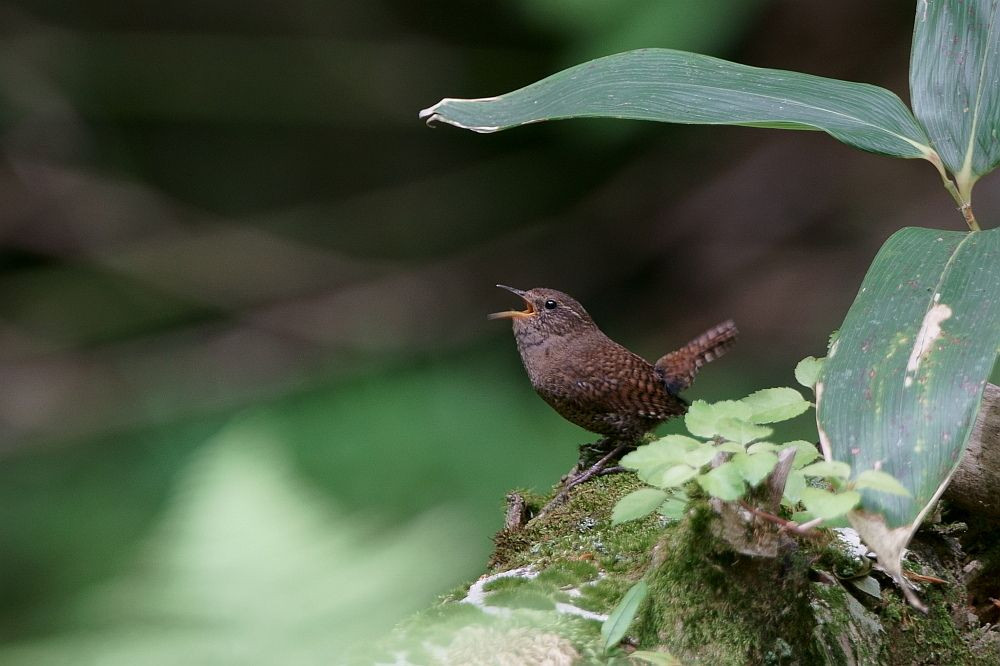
(618, 380)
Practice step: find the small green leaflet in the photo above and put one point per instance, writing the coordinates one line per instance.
(881, 481)
(793, 487)
(702, 418)
(741, 431)
(808, 370)
(757, 447)
(805, 453)
(775, 404)
(827, 469)
(753, 468)
(614, 628)
(724, 482)
(672, 477)
(826, 505)
(731, 447)
(674, 507)
(637, 504)
(700, 456)
(668, 450)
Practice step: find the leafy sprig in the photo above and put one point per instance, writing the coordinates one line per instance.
(729, 451)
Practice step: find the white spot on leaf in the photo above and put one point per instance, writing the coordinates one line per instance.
(930, 331)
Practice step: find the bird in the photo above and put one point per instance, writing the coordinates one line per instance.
(598, 384)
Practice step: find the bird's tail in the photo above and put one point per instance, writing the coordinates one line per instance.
(678, 368)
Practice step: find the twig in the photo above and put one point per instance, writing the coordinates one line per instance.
(594, 470)
(804, 529)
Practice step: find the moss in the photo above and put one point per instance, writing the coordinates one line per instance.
(569, 572)
(920, 639)
(526, 598)
(508, 583)
(579, 530)
(709, 605)
(845, 632)
(603, 595)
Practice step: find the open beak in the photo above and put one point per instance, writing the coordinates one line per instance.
(513, 314)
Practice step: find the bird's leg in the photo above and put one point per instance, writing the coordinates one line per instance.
(592, 452)
(598, 467)
(594, 470)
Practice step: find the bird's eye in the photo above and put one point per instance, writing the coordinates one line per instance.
(550, 304)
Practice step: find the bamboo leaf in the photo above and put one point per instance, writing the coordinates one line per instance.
(679, 87)
(902, 384)
(955, 83)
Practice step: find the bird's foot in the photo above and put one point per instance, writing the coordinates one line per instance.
(592, 452)
(575, 478)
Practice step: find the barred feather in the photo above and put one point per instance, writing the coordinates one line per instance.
(678, 368)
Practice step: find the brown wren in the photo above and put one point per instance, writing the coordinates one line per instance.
(596, 383)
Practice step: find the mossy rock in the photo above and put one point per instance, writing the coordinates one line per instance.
(552, 581)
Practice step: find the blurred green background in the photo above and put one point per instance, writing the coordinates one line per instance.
(251, 410)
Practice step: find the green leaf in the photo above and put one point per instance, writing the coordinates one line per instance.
(869, 586)
(700, 456)
(805, 453)
(902, 383)
(679, 441)
(802, 517)
(672, 477)
(703, 418)
(826, 505)
(757, 447)
(674, 86)
(753, 468)
(724, 482)
(668, 450)
(637, 504)
(880, 481)
(731, 447)
(828, 469)
(674, 507)
(656, 658)
(742, 431)
(614, 628)
(808, 370)
(954, 67)
(794, 485)
(775, 404)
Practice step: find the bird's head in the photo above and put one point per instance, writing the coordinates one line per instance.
(548, 312)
